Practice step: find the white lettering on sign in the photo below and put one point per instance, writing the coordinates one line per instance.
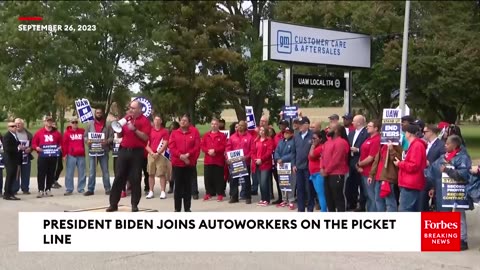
(76, 137)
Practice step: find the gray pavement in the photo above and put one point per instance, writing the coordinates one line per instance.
(11, 259)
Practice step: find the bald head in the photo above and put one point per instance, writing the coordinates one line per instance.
(135, 108)
(316, 126)
(359, 121)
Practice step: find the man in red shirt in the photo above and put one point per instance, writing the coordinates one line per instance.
(184, 146)
(213, 145)
(241, 140)
(135, 135)
(368, 151)
(157, 161)
(47, 141)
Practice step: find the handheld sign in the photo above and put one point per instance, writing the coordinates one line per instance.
(454, 194)
(251, 124)
(226, 132)
(49, 150)
(116, 145)
(165, 153)
(96, 148)
(290, 112)
(285, 175)
(391, 126)
(25, 143)
(84, 110)
(147, 106)
(237, 166)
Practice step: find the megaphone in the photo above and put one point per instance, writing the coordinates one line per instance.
(117, 125)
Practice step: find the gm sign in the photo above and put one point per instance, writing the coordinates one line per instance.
(284, 41)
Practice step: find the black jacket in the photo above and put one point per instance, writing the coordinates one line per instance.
(11, 153)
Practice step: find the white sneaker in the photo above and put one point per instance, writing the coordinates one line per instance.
(163, 195)
(150, 195)
(48, 193)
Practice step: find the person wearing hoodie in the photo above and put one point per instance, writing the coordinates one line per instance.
(99, 126)
(47, 141)
(411, 177)
(456, 163)
(261, 156)
(334, 167)
(184, 145)
(74, 153)
(213, 146)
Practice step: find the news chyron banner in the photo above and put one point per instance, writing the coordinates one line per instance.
(172, 232)
(391, 126)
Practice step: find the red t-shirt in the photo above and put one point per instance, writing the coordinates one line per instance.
(130, 139)
(370, 147)
(156, 136)
(314, 162)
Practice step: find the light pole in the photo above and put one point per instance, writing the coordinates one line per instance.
(403, 74)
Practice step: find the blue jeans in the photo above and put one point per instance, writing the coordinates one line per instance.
(23, 180)
(93, 172)
(409, 200)
(264, 177)
(370, 194)
(319, 184)
(388, 203)
(463, 226)
(255, 183)
(71, 163)
(304, 185)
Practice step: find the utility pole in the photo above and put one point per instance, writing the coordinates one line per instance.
(403, 74)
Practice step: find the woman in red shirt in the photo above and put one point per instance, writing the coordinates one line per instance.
(262, 163)
(318, 140)
(368, 152)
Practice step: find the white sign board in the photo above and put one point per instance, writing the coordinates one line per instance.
(300, 44)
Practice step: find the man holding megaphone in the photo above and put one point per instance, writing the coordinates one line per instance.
(134, 129)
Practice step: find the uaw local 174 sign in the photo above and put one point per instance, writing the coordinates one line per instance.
(147, 106)
(300, 44)
(391, 126)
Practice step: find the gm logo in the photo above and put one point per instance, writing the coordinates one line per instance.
(284, 41)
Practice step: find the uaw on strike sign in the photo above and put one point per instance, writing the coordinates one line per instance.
(281, 232)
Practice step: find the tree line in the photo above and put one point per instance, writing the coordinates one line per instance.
(204, 56)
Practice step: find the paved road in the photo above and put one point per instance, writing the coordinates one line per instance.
(11, 259)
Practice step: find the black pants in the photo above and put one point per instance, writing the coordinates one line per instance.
(11, 168)
(59, 168)
(194, 181)
(335, 193)
(145, 174)
(129, 166)
(47, 167)
(183, 187)
(234, 186)
(277, 180)
(354, 190)
(214, 180)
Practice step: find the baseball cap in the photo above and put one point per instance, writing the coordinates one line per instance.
(419, 123)
(347, 116)
(304, 120)
(334, 117)
(289, 130)
(443, 125)
(408, 118)
(284, 123)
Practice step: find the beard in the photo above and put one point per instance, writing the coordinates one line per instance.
(99, 118)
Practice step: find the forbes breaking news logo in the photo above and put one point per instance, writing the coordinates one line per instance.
(441, 231)
(284, 41)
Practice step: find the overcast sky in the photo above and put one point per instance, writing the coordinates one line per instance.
(127, 66)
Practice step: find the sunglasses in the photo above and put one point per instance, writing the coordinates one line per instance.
(12, 126)
(74, 122)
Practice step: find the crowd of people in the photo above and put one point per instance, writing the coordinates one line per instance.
(341, 167)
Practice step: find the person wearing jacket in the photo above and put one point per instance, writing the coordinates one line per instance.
(368, 151)
(319, 138)
(74, 153)
(456, 163)
(334, 167)
(47, 141)
(242, 139)
(213, 146)
(23, 178)
(411, 177)
(261, 155)
(384, 172)
(2, 165)
(283, 154)
(184, 145)
(12, 158)
(303, 142)
(194, 180)
(99, 126)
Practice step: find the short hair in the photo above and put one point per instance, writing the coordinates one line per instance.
(377, 124)
(19, 120)
(215, 119)
(455, 139)
(186, 115)
(433, 128)
(221, 120)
